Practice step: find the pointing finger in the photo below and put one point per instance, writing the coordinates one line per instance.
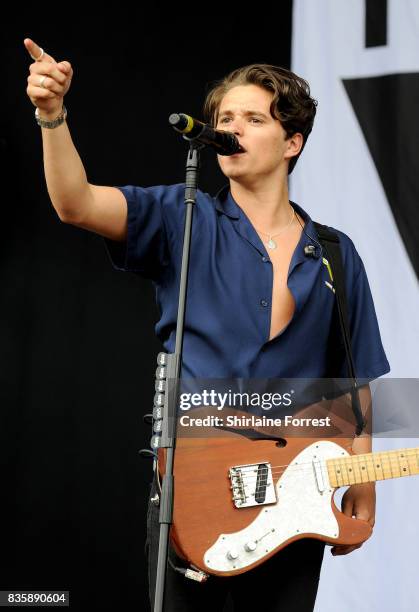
(36, 52)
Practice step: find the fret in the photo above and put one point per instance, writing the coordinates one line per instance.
(335, 477)
(413, 463)
(362, 470)
(338, 473)
(357, 472)
(385, 460)
(374, 466)
(344, 468)
(369, 462)
(378, 466)
(350, 469)
(395, 464)
(369, 467)
(403, 463)
(365, 464)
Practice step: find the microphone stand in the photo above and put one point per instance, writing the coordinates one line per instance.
(173, 363)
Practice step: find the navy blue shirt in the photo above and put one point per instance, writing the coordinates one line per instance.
(228, 311)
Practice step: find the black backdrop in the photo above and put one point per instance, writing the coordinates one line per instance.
(77, 343)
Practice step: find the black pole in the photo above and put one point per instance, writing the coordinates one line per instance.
(172, 389)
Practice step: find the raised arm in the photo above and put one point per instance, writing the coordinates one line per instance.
(96, 208)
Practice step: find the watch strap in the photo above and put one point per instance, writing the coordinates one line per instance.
(55, 122)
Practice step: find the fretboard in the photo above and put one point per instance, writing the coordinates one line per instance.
(373, 466)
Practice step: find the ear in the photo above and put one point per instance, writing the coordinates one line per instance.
(294, 145)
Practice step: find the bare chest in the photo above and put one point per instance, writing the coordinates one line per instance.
(283, 304)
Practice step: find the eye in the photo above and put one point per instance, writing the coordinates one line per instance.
(224, 119)
(256, 119)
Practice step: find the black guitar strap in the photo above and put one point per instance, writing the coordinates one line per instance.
(330, 243)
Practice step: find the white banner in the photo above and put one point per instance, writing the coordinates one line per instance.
(359, 174)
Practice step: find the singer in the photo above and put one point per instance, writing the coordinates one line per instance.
(260, 297)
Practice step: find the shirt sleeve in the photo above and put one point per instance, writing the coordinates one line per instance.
(368, 352)
(145, 250)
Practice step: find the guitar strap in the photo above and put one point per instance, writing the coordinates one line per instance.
(331, 245)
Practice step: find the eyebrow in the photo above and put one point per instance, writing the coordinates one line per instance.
(248, 112)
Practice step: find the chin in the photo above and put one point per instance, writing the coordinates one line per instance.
(230, 170)
(235, 175)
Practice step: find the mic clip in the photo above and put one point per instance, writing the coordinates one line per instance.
(311, 251)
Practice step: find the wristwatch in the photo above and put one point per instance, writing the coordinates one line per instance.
(51, 124)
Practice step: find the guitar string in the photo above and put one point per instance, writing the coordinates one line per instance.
(262, 486)
(249, 477)
(407, 451)
(309, 468)
(262, 489)
(346, 477)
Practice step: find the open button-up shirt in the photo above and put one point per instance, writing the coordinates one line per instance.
(228, 311)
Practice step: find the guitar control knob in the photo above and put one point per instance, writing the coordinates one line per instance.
(232, 554)
(250, 546)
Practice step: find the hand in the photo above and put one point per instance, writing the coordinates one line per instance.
(49, 97)
(358, 501)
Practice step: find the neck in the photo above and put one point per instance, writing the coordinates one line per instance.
(370, 467)
(267, 206)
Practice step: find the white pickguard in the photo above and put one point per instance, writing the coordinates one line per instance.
(301, 508)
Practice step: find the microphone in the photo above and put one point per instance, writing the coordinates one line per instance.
(225, 143)
(311, 251)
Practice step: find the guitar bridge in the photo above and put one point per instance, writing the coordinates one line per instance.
(252, 485)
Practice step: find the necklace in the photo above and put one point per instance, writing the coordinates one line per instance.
(271, 244)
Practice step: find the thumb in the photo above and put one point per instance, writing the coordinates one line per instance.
(35, 51)
(64, 67)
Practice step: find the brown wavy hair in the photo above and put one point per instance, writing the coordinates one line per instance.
(292, 104)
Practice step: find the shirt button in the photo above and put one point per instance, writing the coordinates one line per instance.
(265, 259)
(263, 303)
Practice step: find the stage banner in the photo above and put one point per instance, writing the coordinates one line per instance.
(360, 174)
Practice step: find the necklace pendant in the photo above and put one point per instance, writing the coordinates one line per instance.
(271, 244)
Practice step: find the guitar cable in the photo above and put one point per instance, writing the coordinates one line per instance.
(188, 572)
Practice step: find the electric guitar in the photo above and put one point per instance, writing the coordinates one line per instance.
(238, 501)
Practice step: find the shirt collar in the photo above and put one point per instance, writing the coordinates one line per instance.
(225, 203)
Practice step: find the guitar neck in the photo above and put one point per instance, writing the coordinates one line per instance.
(370, 467)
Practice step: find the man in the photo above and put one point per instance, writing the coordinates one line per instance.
(257, 306)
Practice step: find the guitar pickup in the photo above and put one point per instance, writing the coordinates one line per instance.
(252, 485)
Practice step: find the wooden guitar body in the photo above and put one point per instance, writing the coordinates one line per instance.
(281, 494)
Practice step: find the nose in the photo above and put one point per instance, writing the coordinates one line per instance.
(236, 126)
